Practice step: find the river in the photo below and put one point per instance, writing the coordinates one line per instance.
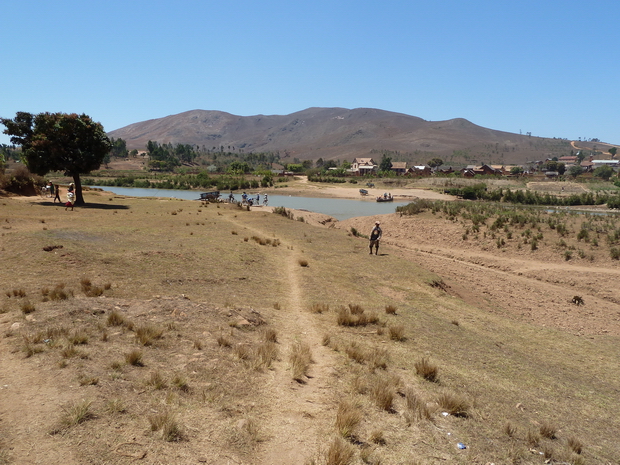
(341, 209)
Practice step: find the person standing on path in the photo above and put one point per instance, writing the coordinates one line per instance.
(375, 236)
(57, 195)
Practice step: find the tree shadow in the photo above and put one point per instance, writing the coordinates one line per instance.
(90, 205)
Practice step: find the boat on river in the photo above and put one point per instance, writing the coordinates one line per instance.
(385, 198)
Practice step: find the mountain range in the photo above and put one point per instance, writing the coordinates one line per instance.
(340, 133)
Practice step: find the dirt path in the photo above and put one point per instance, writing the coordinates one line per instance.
(30, 405)
(306, 410)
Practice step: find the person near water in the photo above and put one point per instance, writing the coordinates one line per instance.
(375, 236)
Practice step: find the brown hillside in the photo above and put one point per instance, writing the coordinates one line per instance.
(340, 133)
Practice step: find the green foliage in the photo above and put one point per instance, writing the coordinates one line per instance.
(119, 148)
(385, 164)
(604, 172)
(575, 171)
(71, 143)
(239, 167)
(435, 162)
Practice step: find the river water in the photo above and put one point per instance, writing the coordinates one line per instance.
(341, 209)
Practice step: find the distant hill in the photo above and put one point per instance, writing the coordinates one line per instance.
(340, 133)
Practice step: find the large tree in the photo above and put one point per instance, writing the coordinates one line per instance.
(71, 143)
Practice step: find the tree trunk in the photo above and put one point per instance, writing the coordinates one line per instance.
(79, 198)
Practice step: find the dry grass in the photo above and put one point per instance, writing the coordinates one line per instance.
(300, 358)
(417, 408)
(27, 307)
(348, 417)
(220, 267)
(382, 392)
(134, 358)
(156, 380)
(270, 335)
(171, 430)
(148, 334)
(319, 308)
(223, 341)
(115, 319)
(397, 332)
(75, 413)
(427, 370)
(390, 310)
(548, 430)
(346, 317)
(339, 452)
(575, 445)
(454, 404)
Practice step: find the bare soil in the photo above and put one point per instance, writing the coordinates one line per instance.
(500, 324)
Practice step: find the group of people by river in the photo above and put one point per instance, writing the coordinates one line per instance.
(249, 200)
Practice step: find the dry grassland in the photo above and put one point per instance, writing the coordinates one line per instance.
(164, 331)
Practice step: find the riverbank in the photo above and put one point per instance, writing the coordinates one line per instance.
(303, 188)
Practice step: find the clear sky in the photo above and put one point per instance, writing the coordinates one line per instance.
(549, 67)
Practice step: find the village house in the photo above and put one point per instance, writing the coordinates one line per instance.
(420, 170)
(362, 166)
(612, 163)
(568, 160)
(471, 170)
(399, 167)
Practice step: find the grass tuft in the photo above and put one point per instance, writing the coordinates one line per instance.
(348, 417)
(454, 404)
(390, 309)
(339, 452)
(547, 430)
(148, 334)
(397, 333)
(427, 370)
(300, 358)
(134, 358)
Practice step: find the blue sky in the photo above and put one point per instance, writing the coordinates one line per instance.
(547, 67)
